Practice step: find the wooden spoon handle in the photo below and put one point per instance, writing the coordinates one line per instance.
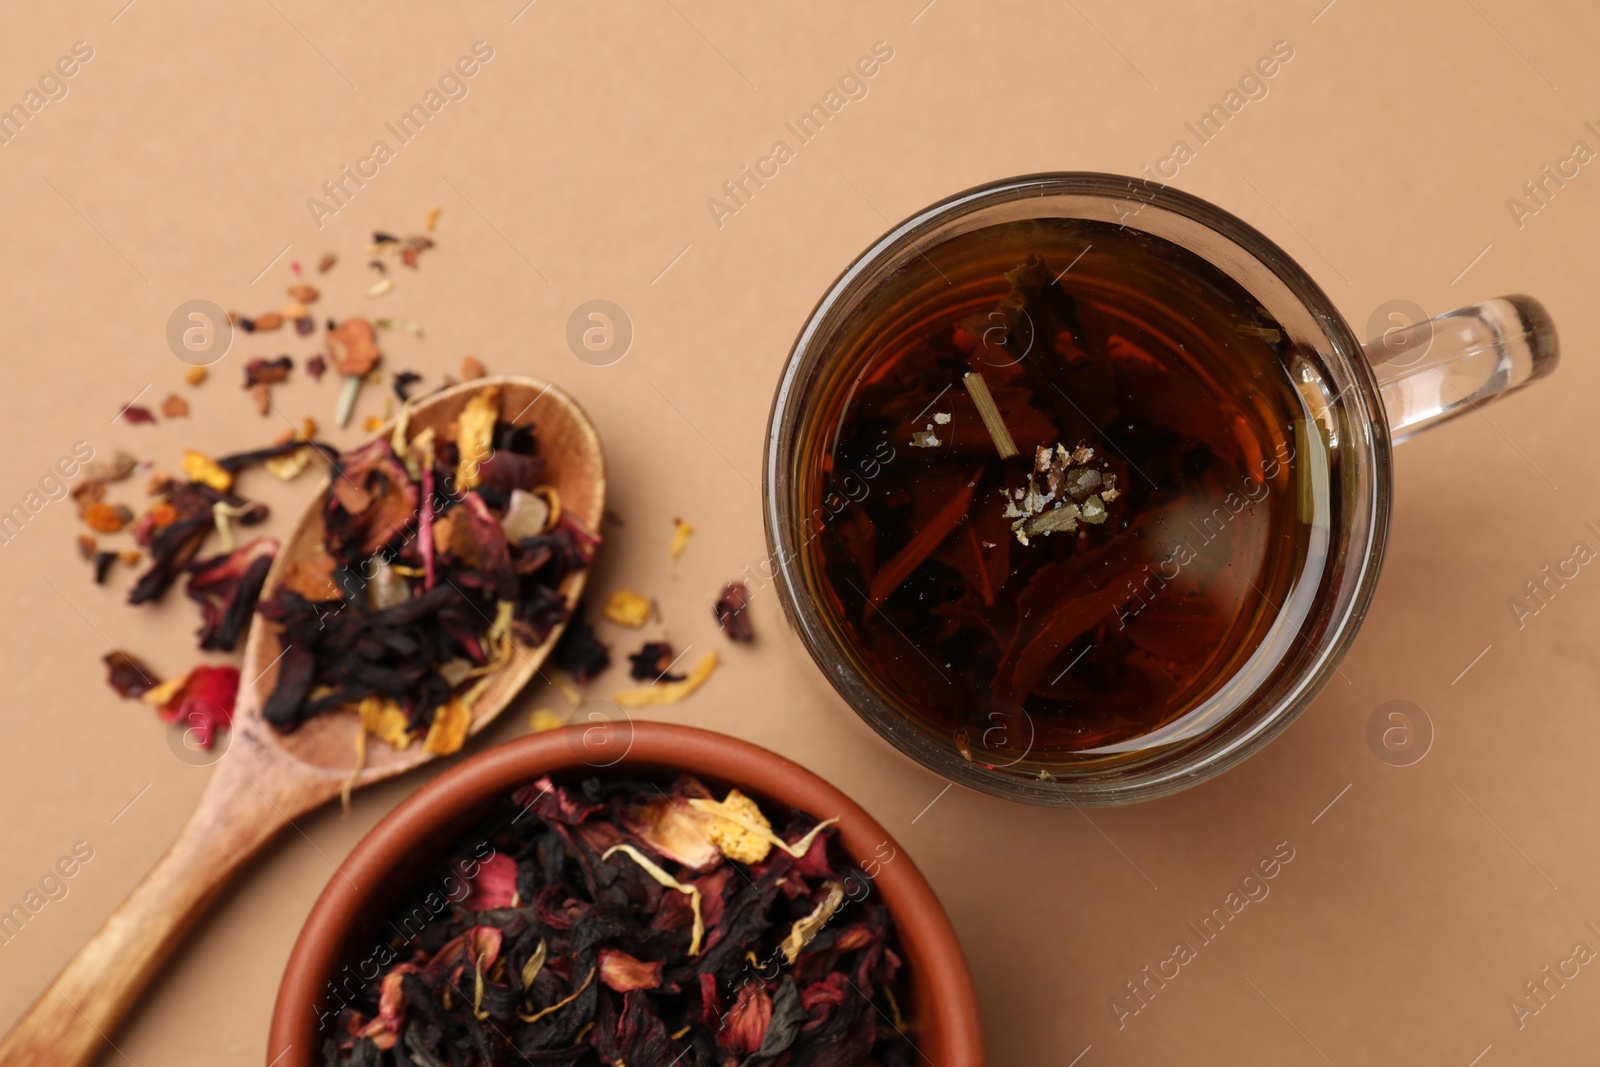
(246, 802)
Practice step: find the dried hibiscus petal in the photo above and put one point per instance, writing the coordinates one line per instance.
(226, 588)
(202, 701)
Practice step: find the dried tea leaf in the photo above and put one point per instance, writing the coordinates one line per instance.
(627, 608)
(661, 876)
(325, 264)
(129, 675)
(353, 347)
(732, 610)
(106, 518)
(174, 406)
(670, 692)
(471, 369)
(304, 294)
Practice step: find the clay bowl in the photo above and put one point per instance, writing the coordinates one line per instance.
(349, 918)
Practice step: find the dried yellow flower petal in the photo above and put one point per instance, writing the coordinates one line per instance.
(737, 814)
(627, 608)
(731, 827)
(475, 436)
(680, 537)
(669, 692)
(433, 220)
(544, 719)
(201, 468)
(385, 720)
(803, 930)
(165, 693)
(195, 375)
(288, 466)
(449, 730)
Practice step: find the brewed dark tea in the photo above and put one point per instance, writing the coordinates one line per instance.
(1069, 502)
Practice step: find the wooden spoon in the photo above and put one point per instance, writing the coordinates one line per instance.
(266, 778)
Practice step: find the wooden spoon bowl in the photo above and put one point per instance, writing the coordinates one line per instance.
(266, 778)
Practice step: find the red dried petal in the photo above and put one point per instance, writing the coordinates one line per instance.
(746, 1023)
(624, 973)
(495, 885)
(205, 703)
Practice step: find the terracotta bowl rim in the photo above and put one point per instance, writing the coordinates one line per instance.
(950, 1032)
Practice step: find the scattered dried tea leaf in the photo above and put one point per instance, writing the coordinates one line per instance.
(106, 518)
(449, 730)
(627, 608)
(325, 264)
(317, 366)
(680, 537)
(129, 675)
(670, 692)
(102, 566)
(403, 325)
(304, 294)
(201, 468)
(174, 406)
(652, 662)
(195, 375)
(130, 557)
(86, 546)
(471, 369)
(733, 612)
(353, 347)
(475, 436)
(270, 321)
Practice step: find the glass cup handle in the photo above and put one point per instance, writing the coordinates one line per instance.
(1439, 368)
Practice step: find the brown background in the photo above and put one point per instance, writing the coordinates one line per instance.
(578, 168)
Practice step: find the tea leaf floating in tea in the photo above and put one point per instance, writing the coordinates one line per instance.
(992, 420)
